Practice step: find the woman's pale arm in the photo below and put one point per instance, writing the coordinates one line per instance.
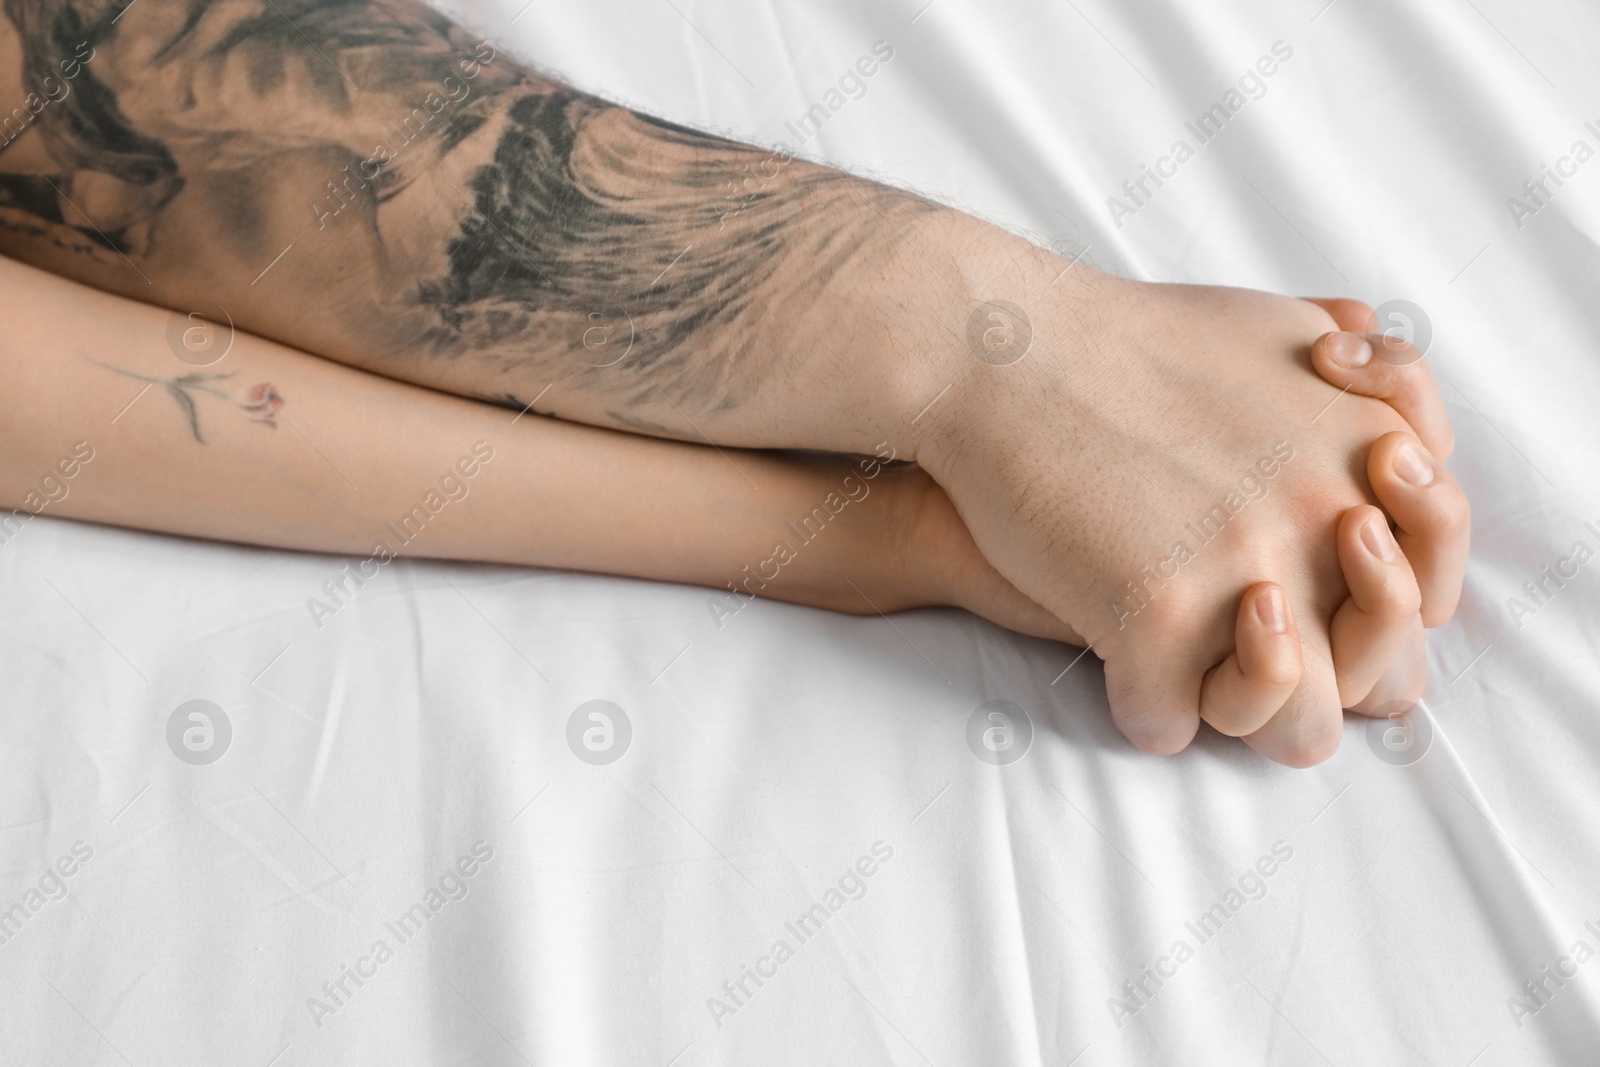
(100, 419)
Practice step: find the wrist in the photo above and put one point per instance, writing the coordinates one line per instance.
(925, 539)
(938, 563)
(1001, 311)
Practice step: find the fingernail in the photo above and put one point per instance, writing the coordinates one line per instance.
(1379, 541)
(1349, 350)
(1270, 610)
(1412, 467)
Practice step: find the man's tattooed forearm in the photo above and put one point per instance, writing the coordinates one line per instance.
(536, 233)
(43, 88)
(569, 242)
(261, 402)
(437, 113)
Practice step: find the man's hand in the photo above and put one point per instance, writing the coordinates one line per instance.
(1159, 451)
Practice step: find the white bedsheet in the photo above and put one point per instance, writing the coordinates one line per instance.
(1407, 904)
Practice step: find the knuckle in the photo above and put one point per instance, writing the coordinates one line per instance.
(1162, 746)
(1398, 600)
(1397, 354)
(1278, 673)
(1449, 511)
(1401, 382)
(1310, 748)
(1319, 321)
(1153, 727)
(1171, 618)
(1154, 736)
(1236, 722)
(1447, 440)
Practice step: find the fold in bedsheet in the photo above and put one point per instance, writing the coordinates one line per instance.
(489, 816)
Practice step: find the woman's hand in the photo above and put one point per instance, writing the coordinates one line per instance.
(939, 563)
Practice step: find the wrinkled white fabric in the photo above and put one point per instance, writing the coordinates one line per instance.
(1369, 911)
